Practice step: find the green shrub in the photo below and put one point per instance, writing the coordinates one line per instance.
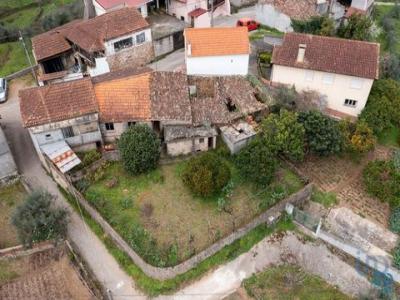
(394, 221)
(90, 157)
(206, 174)
(257, 162)
(37, 220)
(284, 133)
(357, 138)
(382, 181)
(323, 135)
(265, 57)
(139, 147)
(396, 257)
(396, 160)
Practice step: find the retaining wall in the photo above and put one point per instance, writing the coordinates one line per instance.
(21, 73)
(270, 216)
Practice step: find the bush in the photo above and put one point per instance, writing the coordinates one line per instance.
(90, 157)
(323, 135)
(383, 181)
(206, 174)
(319, 25)
(396, 257)
(357, 138)
(284, 133)
(139, 147)
(265, 57)
(36, 220)
(358, 27)
(383, 107)
(257, 162)
(394, 221)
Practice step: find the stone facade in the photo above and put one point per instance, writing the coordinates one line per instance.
(132, 57)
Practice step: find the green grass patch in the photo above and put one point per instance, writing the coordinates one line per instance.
(13, 58)
(155, 287)
(290, 282)
(327, 199)
(390, 137)
(160, 218)
(262, 31)
(7, 272)
(10, 197)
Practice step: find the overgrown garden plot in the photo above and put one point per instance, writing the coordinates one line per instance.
(162, 220)
(10, 197)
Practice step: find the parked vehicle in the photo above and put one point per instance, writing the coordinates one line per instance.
(249, 23)
(3, 90)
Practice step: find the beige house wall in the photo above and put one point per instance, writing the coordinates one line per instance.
(336, 87)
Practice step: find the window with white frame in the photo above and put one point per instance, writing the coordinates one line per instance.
(123, 44)
(350, 102)
(140, 38)
(309, 76)
(109, 126)
(328, 78)
(356, 83)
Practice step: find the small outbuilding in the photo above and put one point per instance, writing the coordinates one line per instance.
(182, 140)
(237, 136)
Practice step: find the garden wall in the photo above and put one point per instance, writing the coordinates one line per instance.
(268, 217)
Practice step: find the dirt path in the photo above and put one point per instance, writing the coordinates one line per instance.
(90, 247)
(272, 251)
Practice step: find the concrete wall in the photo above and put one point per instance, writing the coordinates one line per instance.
(236, 147)
(109, 45)
(342, 86)
(266, 14)
(181, 147)
(218, 65)
(163, 46)
(132, 57)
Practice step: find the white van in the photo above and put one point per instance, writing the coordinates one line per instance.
(3, 90)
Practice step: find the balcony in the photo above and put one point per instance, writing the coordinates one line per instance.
(84, 138)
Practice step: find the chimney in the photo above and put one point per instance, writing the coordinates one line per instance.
(301, 53)
(189, 49)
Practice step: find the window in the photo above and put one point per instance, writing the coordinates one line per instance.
(350, 102)
(109, 126)
(140, 38)
(122, 44)
(67, 132)
(328, 78)
(48, 136)
(183, 18)
(130, 124)
(201, 140)
(356, 83)
(309, 75)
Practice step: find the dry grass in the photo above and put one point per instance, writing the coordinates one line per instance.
(10, 197)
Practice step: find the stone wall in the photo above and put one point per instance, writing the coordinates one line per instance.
(133, 57)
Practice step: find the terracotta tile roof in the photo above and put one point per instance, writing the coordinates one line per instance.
(58, 102)
(327, 54)
(217, 41)
(89, 35)
(124, 99)
(197, 12)
(295, 9)
(210, 104)
(161, 96)
(107, 4)
(170, 97)
(120, 74)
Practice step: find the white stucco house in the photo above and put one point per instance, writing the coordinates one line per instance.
(104, 6)
(342, 70)
(198, 13)
(217, 51)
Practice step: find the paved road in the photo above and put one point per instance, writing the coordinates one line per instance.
(172, 62)
(90, 247)
(230, 21)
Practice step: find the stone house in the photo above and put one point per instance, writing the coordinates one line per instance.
(104, 6)
(86, 113)
(61, 116)
(217, 51)
(342, 70)
(93, 47)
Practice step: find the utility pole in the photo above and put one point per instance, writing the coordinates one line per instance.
(27, 55)
(212, 13)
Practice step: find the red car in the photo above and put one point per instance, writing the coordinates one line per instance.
(249, 23)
